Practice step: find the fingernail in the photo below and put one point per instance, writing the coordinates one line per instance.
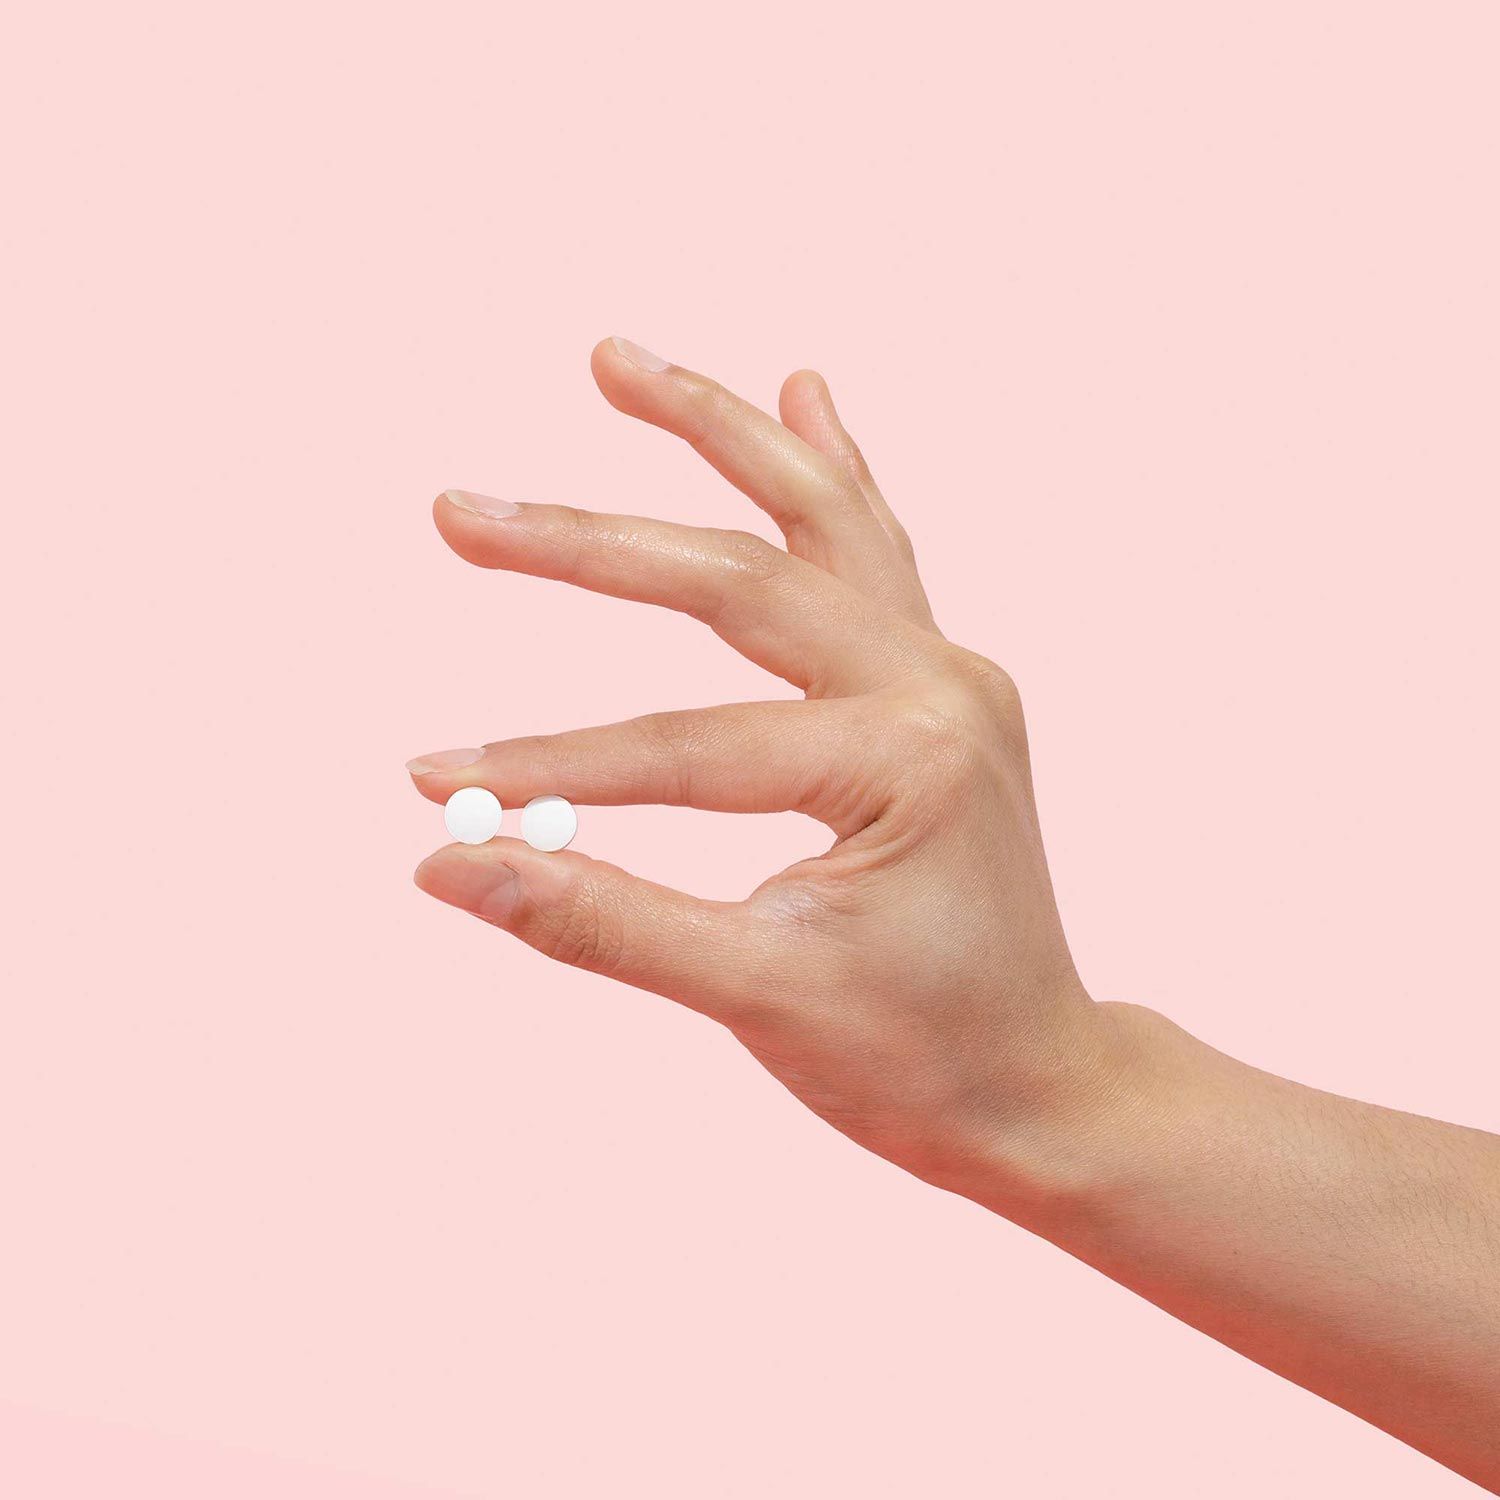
(499, 901)
(482, 505)
(470, 878)
(442, 760)
(642, 357)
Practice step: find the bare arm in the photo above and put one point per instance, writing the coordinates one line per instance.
(913, 985)
(1353, 1249)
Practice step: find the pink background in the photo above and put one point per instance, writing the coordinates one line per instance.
(1172, 333)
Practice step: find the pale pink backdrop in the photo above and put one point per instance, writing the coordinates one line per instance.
(1172, 333)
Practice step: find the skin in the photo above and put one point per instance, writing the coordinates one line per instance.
(913, 985)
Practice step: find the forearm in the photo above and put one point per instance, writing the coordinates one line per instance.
(1352, 1249)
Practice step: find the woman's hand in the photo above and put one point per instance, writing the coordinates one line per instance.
(912, 985)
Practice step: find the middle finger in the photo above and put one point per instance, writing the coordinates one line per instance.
(779, 611)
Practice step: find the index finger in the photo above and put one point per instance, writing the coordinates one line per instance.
(793, 755)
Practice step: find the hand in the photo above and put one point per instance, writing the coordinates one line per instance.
(912, 985)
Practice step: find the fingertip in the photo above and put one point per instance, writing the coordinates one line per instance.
(434, 786)
(421, 877)
(432, 876)
(613, 375)
(601, 360)
(446, 871)
(807, 408)
(468, 876)
(804, 386)
(628, 376)
(451, 522)
(447, 515)
(466, 531)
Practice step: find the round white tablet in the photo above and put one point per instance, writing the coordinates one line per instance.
(473, 815)
(548, 823)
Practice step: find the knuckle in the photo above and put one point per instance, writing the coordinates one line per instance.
(935, 734)
(806, 899)
(750, 560)
(704, 412)
(952, 733)
(667, 745)
(992, 685)
(843, 499)
(851, 454)
(741, 564)
(902, 539)
(581, 529)
(583, 932)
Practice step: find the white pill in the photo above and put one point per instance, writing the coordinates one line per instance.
(548, 823)
(472, 815)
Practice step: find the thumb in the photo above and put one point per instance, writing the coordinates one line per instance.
(595, 916)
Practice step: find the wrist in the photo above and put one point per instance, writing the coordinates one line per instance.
(1072, 1160)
